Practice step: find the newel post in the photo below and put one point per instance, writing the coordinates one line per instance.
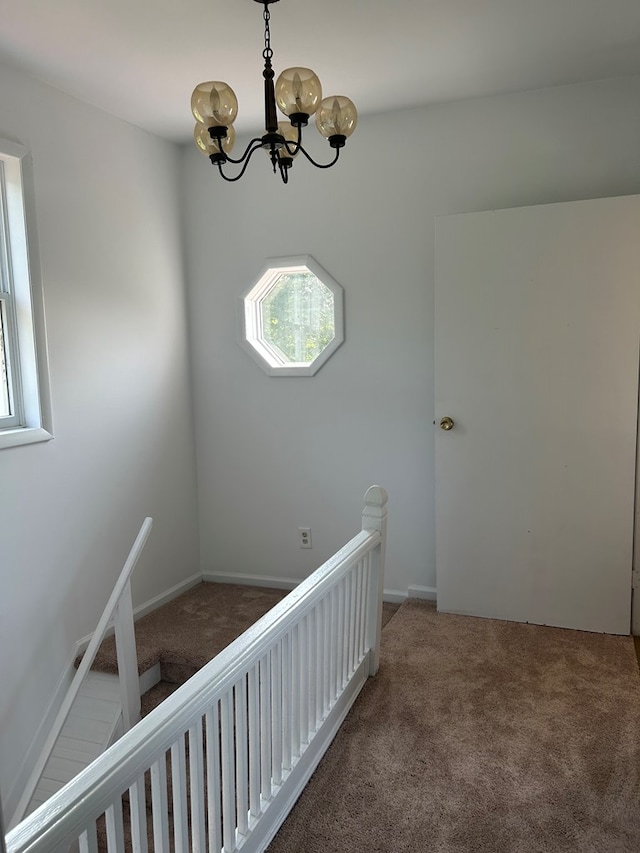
(374, 517)
(127, 659)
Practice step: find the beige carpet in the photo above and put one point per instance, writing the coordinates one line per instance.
(190, 630)
(480, 736)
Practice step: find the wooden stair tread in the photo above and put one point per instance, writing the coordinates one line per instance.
(93, 724)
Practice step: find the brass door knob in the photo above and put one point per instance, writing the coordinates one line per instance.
(446, 424)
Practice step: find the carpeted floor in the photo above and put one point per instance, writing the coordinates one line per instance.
(476, 736)
(480, 736)
(190, 630)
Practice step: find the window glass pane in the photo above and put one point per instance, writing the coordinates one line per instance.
(5, 408)
(298, 317)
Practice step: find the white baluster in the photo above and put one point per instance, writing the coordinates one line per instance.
(276, 714)
(213, 779)
(228, 773)
(160, 806)
(138, 810)
(352, 623)
(347, 630)
(254, 742)
(341, 592)
(333, 644)
(242, 757)
(88, 840)
(295, 692)
(366, 573)
(326, 682)
(115, 827)
(265, 727)
(179, 792)
(312, 649)
(287, 701)
(326, 669)
(359, 599)
(196, 786)
(303, 682)
(319, 663)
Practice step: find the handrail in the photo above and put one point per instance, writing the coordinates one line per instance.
(64, 817)
(121, 590)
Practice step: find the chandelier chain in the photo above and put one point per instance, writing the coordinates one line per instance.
(267, 53)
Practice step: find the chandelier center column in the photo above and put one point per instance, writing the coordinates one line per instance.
(270, 115)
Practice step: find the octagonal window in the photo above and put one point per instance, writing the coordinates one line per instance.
(293, 317)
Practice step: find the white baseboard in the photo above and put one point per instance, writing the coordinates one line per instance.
(150, 678)
(168, 595)
(429, 593)
(251, 580)
(392, 595)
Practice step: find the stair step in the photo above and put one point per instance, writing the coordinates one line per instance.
(94, 722)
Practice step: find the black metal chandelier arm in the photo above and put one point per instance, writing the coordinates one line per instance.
(237, 177)
(256, 141)
(320, 165)
(293, 147)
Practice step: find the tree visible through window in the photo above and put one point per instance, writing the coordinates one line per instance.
(297, 314)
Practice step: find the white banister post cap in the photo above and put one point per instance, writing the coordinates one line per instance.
(375, 496)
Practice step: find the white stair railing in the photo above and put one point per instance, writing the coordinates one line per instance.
(242, 737)
(3, 849)
(119, 608)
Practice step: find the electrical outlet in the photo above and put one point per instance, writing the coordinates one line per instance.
(304, 535)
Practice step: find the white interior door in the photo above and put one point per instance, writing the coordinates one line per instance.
(537, 318)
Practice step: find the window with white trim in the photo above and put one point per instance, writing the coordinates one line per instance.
(293, 317)
(25, 415)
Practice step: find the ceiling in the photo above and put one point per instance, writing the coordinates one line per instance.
(140, 59)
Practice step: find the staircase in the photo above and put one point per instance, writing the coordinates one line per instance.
(94, 722)
(270, 677)
(173, 642)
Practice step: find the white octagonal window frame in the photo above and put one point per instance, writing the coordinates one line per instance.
(271, 358)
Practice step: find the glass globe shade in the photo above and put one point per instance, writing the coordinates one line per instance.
(298, 90)
(207, 145)
(336, 115)
(214, 104)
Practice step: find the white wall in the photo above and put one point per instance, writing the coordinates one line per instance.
(273, 453)
(278, 453)
(111, 257)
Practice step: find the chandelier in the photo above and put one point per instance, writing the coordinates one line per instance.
(297, 94)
